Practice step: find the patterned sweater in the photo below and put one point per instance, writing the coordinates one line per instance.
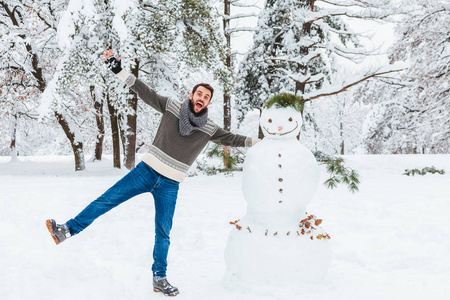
(171, 154)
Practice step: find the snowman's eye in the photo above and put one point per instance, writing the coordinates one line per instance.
(290, 119)
(270, 120)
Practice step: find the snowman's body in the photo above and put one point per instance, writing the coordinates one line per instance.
(280, 177)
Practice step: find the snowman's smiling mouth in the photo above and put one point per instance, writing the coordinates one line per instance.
(276, 133)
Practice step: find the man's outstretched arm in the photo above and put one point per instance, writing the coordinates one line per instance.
(147, 95)
(227, 138)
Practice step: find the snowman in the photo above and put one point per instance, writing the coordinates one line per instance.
(277, 241)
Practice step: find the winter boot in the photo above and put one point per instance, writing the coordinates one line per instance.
(59, 232)
(163, 286)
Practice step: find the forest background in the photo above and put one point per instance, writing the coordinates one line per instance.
(373, 75)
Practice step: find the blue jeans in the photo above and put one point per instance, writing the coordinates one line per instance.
(140, 180)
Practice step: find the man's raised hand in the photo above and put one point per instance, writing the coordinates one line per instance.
(111, 62)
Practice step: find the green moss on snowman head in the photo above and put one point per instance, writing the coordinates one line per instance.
(285, 100)
(281, 117)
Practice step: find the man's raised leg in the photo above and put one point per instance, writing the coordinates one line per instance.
(137, 181)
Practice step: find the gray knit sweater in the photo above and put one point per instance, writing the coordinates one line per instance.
(171, 154)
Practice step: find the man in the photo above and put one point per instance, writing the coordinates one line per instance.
(183, 132)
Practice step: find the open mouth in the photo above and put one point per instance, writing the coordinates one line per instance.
(277, 133)
(198, 105)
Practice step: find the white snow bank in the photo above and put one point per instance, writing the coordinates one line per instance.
(390, 241)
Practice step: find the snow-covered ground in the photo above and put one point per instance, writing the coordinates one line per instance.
(390, 241)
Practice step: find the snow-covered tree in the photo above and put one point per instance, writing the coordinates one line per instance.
(18, 91)
(79, 79)
(297, 48)
(229, 28)
(30, 36)
(199, 41)
(334, 124)
(412, 114)
(87, 29)
(161, 42)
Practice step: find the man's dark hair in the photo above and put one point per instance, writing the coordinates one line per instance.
(205, 85)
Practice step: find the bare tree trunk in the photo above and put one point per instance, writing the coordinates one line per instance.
(130, 135)
(260, 132)
(77, 146)
(12, 147)
(341, 112)
(123, 138)
(114, 131)
(130, 147)
(226, 94)
(341, 129)
(98, 105)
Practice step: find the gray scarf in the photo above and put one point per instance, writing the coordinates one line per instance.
(190, 121)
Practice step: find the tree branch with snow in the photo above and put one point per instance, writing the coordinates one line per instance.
(336, 90)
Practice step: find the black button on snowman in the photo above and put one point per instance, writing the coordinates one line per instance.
(276, 238)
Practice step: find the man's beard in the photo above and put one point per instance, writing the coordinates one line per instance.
(191, 107)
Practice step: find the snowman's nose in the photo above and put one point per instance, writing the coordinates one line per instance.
(280, 128)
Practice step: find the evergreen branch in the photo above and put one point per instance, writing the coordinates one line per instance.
(338, 172)
(424, 171)
(293, 61)
(232, 160)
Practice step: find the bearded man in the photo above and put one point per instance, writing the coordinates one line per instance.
(182, 134)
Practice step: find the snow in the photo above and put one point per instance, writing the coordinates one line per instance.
(66, 26)
(390, 240)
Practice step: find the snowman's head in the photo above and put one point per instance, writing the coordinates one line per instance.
(281, 122)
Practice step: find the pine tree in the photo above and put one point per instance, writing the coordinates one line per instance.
(199, 42)
(296, 49)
